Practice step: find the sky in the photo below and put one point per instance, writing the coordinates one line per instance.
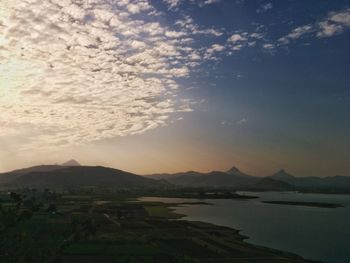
(152, 86)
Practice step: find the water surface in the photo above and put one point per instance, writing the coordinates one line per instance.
(312, 232)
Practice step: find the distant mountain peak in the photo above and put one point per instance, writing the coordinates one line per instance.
(71, 163)
(233, 170)
(282, 171)
(282, 174)
(236, 172)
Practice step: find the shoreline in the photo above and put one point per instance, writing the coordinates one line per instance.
(239, 238)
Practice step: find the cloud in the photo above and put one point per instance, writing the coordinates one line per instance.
(239, 122)
(236, 38)
(242, 121)
(208, 2)
(334, 24)
(215, 48)
(173, 3)
(269, 46)
(73, 71)
(187, 24)
(264, 8)
(257, 35)
(342, 17)
(296, 33)
(238, 41)
(327, 29)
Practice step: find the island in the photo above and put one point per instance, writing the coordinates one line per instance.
(311, 204)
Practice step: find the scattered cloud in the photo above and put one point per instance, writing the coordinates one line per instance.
(215, 48)
(174, 4)
(236, 38)
(74, 72)
(296, 33)
(269, 46)
(264, 8)
(187, 24)
(257, 35)
(237, 41)
(334, 24)
(208, 2)
(242, 121)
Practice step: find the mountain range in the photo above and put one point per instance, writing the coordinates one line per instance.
(72, 174)
(233, 177)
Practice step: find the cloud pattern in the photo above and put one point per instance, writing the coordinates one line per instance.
(334, 24)
(76, 71)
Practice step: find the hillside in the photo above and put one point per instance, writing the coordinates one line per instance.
(330, 182)
(232, 178)
(270, 184)
(75, 176)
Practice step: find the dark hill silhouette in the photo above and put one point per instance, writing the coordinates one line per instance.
(232, 178)
(77, 176)
(270, 184)
(336, 182)
(10, 176)
(283, 175)
(281, 180)
(74, 175)
(235, 171)
(168, 176)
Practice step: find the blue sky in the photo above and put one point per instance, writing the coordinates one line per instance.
(202, 85)
(290, 102)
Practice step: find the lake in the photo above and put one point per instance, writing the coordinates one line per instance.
(314, 233)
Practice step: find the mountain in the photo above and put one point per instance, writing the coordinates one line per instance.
(284, 176)
(71, 174)
(231, 178)
(222, 179)
(270, 184)
(281, 180)
(184, 179)
(71, 163)
(235, 171)
(76, 176)
(337, 182)
(167, 176)
(10, 176)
